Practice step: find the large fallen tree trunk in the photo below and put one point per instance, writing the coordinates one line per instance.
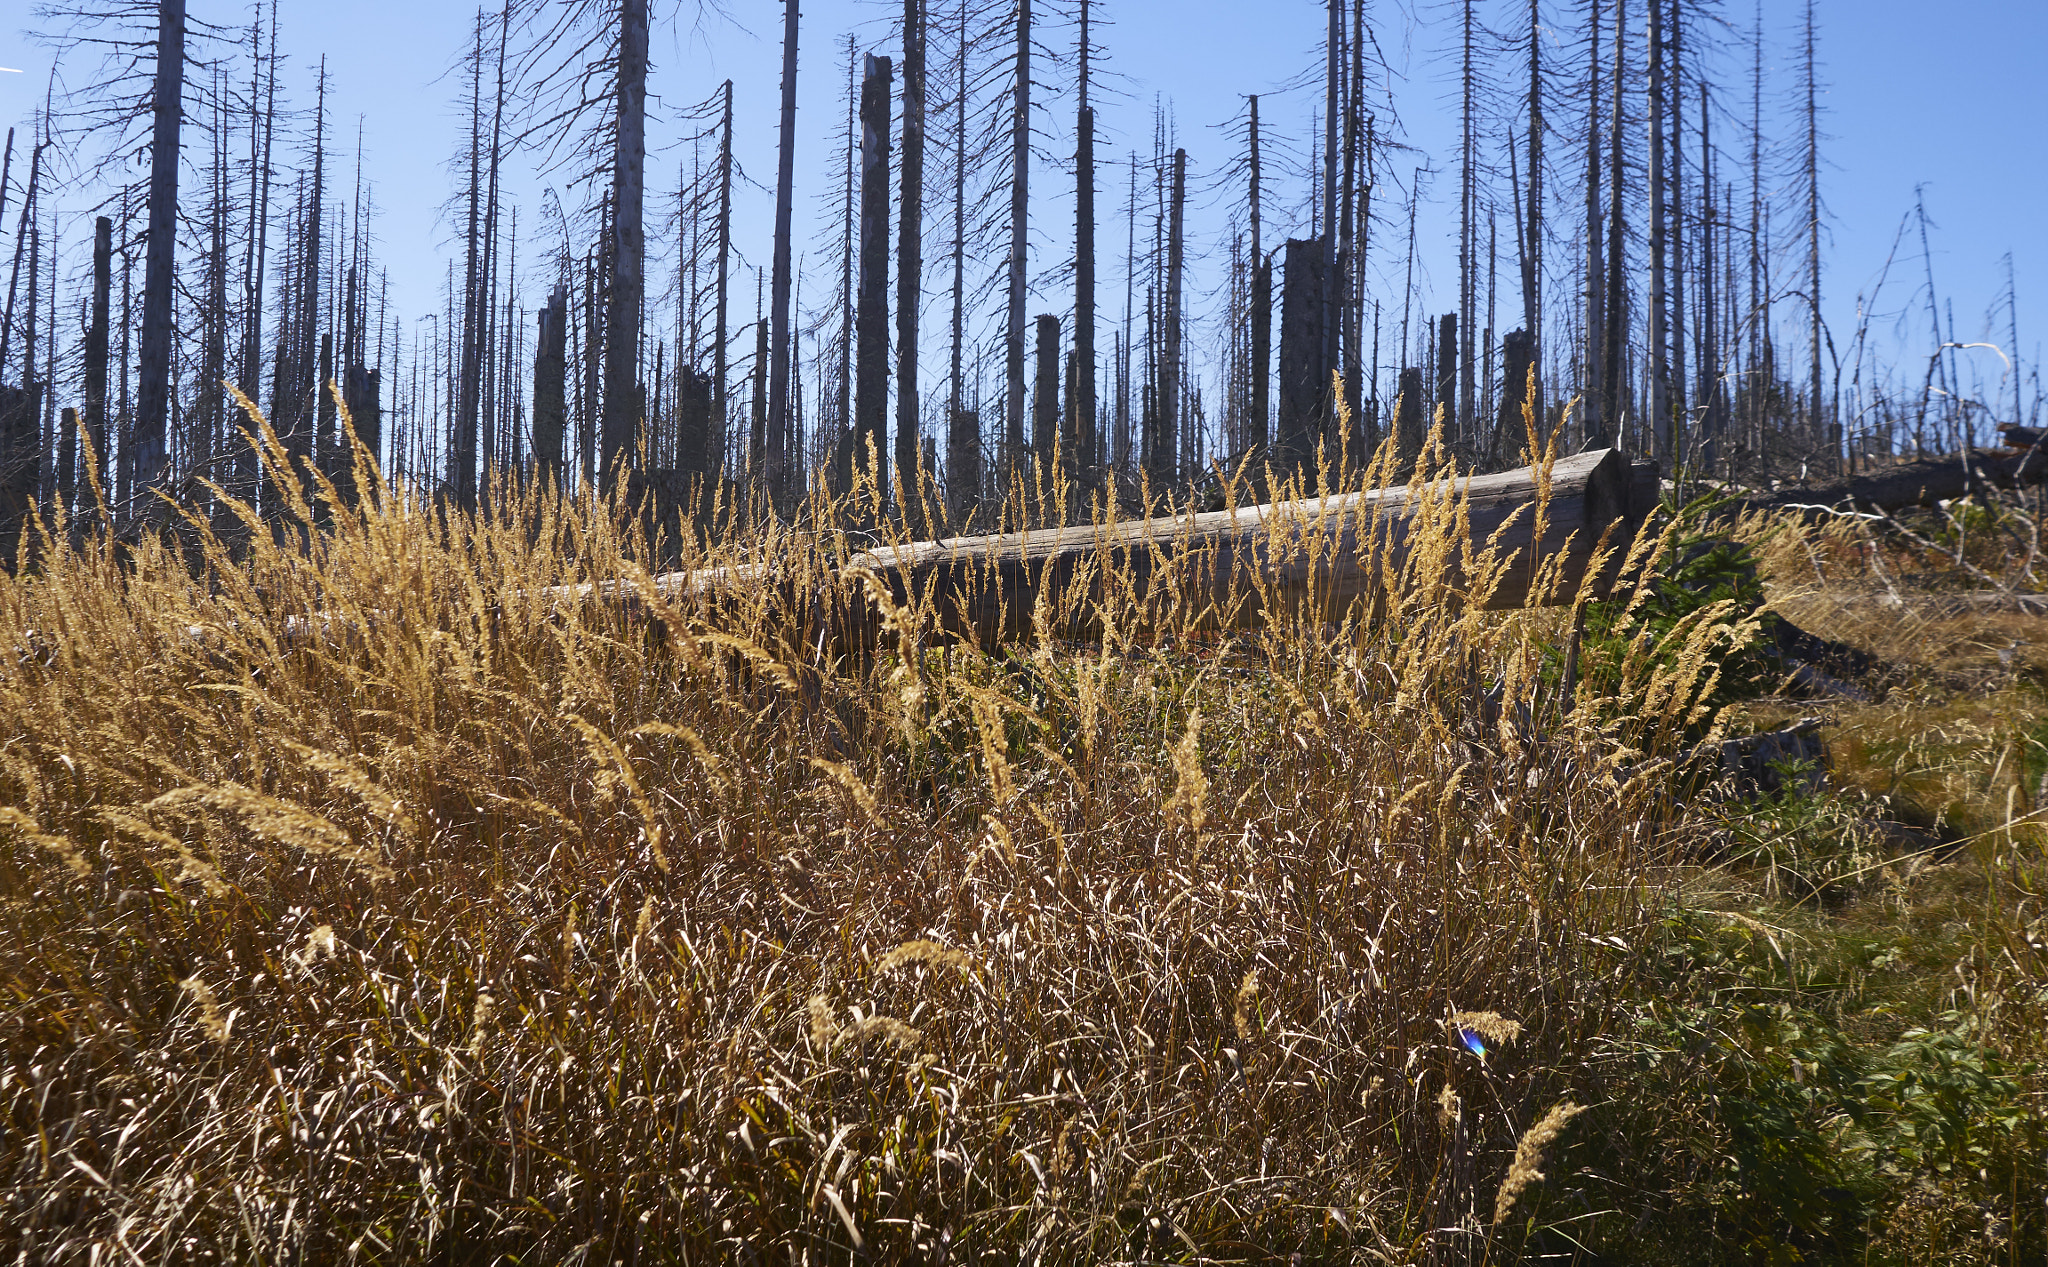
(1922, 482)
(1526, 536)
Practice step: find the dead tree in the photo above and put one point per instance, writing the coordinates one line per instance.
(869, 439)
(623, 404)
(152, 408)
(778, 300)
(1304, 371)
(1020, 207)
(1080, 445)
(910, 254)
(1262, 307)
(1166, 446)
(550, 382)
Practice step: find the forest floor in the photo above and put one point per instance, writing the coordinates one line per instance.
(481, 929)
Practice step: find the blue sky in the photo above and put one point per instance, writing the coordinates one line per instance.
(1947, 98)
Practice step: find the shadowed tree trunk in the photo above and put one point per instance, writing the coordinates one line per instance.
(1166, 451)
(622, 395)
(1304, 374)
(1045, 404)
(152, 405)
(1020, 203)
(1080, 444)
(1262, 308)
(870, 437)
(550, 382)
(778, 286)
(910, 254)
(96, 342)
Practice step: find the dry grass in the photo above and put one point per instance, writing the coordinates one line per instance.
(474, 924)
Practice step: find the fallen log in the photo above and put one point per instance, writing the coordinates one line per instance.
(1220, 569)
(1921, 482)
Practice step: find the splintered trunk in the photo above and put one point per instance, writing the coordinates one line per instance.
(1304, 373)
(1166, 452)
(623, 406)
(1262, 309)
(96, 342)
(1411, 429)
(1447, 377)
(362, 390)
(1020, 203)
(153, 399)
(1045, 399)
(870, 438)
(550, 383)
(910, 253)
(1518, 357)
(773, 458)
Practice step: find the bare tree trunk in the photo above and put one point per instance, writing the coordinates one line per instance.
(1822, 430)
(1595, 416)
(910, 256)
(153, 392)
(1675, 378)
(1465, 412)
(1616, 307)
(1660, 400)
(1304, 375)
(1081, 446)
(778, 296)
(1167, 449)
(96, 342)
(550, 385)
(1262, 309)
(1333, 264)
(870, 438)
(623, 404)
(963, 428)
(1020, 204)
(715, 457)
(1045, 395)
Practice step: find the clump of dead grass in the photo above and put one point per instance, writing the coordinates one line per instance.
(522, 925)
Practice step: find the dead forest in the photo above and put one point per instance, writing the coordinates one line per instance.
(1639, 222)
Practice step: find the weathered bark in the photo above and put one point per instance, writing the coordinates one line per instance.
(550, 382)
(870, 437)
(1447, 372)
(1411, 430)
(963, 426)
(1166, 447)
(1660, 401)
(1080, 444)
(153, 387)
(1020, 204)
(96, 343)
(910, 254)
(716, 450)
(1262, 308)
(1304, 373)
(1519, 358)
(1045, 403)
(18, 460)
(362, 391)
(623, 404)
(1319, 558)
(773, 458)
